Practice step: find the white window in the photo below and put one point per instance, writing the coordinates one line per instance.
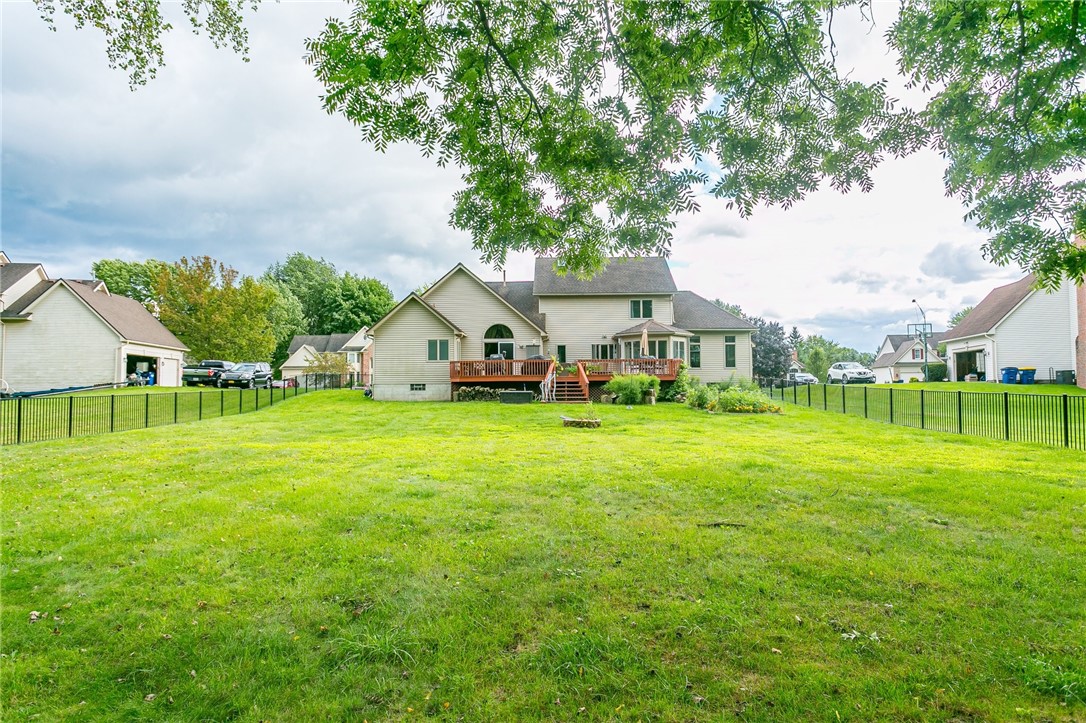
(352, 357)
(603, 351)
(918, 353)
(437, 350)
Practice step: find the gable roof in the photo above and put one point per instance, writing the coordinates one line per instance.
(902, 344)
(11, 273)
(993, 309)
(414, 296)
(633, 275)
(491, 289)
(694, 313)
(518, 294)
(16, 308)
(128, 317)
(320, 343)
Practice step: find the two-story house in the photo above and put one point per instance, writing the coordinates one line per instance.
(629, 318)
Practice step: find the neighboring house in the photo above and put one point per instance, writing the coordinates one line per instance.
(1016, 326)
(355, 348)
(902, 357)
(629, 318)
(58, 333)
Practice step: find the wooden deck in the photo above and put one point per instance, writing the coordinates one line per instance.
(534, 370)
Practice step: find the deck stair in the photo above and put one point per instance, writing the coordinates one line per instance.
(569, 389)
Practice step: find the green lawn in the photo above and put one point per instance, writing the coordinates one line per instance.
(334, 558)
(989, 388)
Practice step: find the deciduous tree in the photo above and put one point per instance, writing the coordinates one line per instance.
(134, 279)
(584, 128)
(957, 316)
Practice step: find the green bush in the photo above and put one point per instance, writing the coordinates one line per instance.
(631, 388)
(730, 397)
(678, 389)
(744, 401)
(480, 394)
(936, 372)
(748, 385)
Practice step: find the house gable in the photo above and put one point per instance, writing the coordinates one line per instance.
(460, 296)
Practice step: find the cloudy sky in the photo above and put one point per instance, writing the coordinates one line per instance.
(238, 161)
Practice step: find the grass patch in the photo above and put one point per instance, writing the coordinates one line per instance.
(337, 558)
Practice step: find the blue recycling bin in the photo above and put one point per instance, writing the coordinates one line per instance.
(1026, 375)
(1010, 375)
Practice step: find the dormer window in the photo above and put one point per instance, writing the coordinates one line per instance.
(641, 308)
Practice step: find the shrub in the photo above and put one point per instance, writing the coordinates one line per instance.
(631, 388)
(678, 389)
(700, 395)
(735, 399)
(936, 372)
(748, 385)
(480, 394)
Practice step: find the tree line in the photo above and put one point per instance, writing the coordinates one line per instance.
(221, 314)
(773, 348)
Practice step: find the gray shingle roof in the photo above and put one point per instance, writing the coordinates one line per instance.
(518, 294)
(694, 313)
(321, 343)
(127, 316)
(989, 312)
(17, 306)
(10, 273)
(650, 275)
(902, 343)
(654, 327)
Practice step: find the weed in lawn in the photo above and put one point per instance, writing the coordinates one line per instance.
(392, 645)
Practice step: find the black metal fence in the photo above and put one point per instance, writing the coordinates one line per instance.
(37, 419)
(1053, 419)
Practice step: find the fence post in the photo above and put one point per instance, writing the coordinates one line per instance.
(222, 402)
(865, 401)
(961, 427)
(147, 411)
(808, 395)
(921, 408)
(825, 395)
(19, 421)
(307, 383)
(112, 410)
(1007, 415)
(891, 405)
(1066, 424)
(241, 397)
(795, 394)
(200, 412)
(843, 407)
(71, 413)
(175, 407)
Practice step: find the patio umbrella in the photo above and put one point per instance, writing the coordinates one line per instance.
(645, 340)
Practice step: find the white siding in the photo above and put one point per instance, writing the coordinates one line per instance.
(1039, 333)
(712, 356)
(65, 345)
(474, 309)
(578, 322)
(973, 345)
(20, 287)
(400, 355)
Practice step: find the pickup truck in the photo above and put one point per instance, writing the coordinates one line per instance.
(206, 372)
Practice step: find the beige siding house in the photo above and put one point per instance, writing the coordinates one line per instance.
(901, 358)
(60, 333)
(1016, 326)
(629, 318)
(355, 349)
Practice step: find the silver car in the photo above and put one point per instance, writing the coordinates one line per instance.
(849, 373)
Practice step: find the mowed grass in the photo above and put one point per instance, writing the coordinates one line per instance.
(339, 559)
(985, 387)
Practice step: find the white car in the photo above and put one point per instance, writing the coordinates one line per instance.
(800, 378)
(849, 373)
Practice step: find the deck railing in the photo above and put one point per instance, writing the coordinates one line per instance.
(536, 368)
(610, 367)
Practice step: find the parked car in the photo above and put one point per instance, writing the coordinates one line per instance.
(248, 375)
(284, 383)
(800, 378)
(849, 373)
(206, 372)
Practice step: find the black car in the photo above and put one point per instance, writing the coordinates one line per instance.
(247, 375)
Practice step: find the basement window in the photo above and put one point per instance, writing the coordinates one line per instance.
(418, 387)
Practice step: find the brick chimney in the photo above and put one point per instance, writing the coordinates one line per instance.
(1080, 341)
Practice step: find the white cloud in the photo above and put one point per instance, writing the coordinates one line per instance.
(239, 161)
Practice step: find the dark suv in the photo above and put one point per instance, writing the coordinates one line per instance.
(247, 375)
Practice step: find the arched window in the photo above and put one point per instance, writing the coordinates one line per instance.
(498, 340)
(498, 331)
